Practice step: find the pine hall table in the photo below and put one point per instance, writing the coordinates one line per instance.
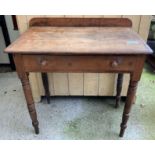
(80, 45)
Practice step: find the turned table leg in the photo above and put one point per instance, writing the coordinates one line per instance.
(29, 99)
(118, 89)
(130, 98)
(46, 86)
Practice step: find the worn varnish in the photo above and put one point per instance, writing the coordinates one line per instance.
(79, 63)
(80, 49)
(78, 40)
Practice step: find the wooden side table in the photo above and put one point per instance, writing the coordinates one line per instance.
(80, 45)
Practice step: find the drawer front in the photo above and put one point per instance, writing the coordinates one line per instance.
(48, 63)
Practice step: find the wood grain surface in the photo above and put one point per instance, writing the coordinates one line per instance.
(79, 40)
(81, 22)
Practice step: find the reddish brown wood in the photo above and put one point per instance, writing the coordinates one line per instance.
(136, 75)
(119, 89)
(79, 40)
(79, 63)
(127, 108)
(83, 45)
(27, 91)
(81, 22)
(30, 102)
(46, 86)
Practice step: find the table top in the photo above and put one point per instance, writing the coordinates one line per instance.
(79, 40)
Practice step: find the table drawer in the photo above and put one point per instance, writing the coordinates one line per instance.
(78, 63)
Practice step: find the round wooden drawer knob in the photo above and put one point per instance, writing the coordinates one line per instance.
(114, 64)
(43, 62)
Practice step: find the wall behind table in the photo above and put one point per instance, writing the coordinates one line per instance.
(94, 84)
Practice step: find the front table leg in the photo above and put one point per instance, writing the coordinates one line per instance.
(29, 99)
(130, 98)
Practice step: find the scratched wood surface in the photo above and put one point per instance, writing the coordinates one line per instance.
(103, 84)
(79, 40)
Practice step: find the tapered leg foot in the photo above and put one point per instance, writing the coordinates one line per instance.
(123, 125)
(121, 134)
(119, 89)
(130, 98)
(36, 127)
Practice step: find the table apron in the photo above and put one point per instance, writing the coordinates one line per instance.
(99, 63)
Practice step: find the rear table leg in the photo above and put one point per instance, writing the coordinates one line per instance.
(119, 89)
(46, 86)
